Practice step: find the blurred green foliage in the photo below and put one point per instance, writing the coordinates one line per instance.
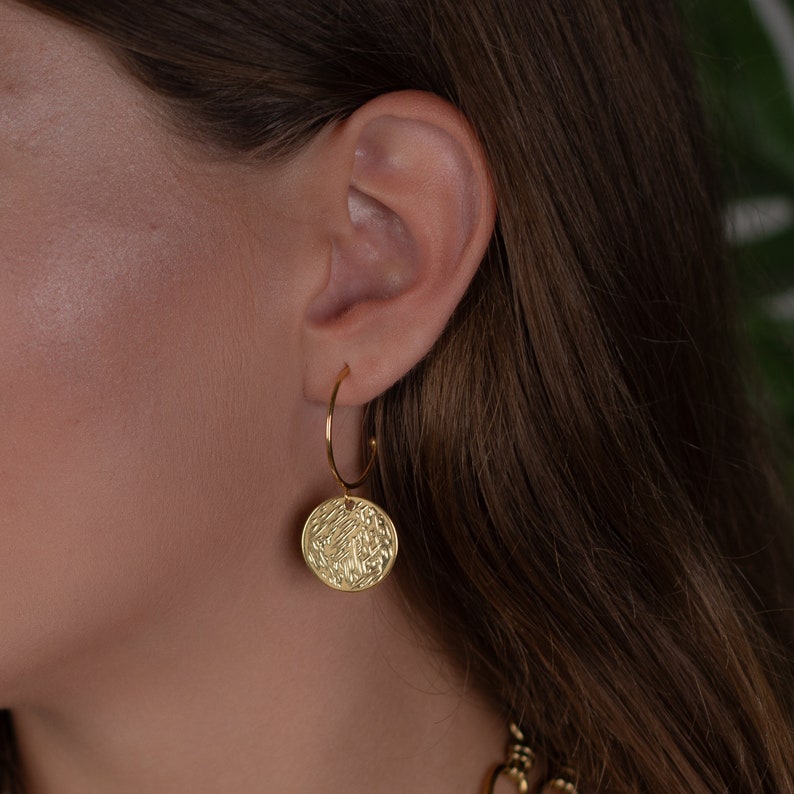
(744, 52)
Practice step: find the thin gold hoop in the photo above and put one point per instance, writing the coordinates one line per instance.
(329, 448)
(348, 542)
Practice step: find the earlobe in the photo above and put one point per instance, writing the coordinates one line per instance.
(418, 215)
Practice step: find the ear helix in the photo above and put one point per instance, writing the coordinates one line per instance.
(348, 542)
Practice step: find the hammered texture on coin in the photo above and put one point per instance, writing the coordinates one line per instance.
(349, 549)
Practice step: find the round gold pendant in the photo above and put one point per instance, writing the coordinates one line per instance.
(349, 543)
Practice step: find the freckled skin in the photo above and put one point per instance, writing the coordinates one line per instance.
(145, 339)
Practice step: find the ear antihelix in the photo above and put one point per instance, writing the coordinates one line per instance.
(375, 261)
(348, 542)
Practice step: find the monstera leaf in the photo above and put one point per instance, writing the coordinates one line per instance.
(745, 55)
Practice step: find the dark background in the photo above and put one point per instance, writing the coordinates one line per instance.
(744, 51)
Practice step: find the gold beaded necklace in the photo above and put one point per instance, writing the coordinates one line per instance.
(519, 763)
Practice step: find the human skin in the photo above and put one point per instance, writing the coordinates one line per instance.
(171, 323)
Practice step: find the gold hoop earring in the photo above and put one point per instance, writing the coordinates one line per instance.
(348, 542)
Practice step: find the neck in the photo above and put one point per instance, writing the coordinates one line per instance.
(333, 692)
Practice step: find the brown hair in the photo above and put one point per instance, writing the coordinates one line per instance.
(587, 516)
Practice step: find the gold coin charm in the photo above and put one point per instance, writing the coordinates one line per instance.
(349, 543)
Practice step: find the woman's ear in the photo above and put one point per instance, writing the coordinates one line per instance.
(411, 211)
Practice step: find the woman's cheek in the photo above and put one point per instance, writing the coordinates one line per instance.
(100, 301)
